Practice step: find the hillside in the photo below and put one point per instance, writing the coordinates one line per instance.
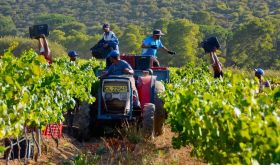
(77, 25)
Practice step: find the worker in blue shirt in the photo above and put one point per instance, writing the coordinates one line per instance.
(152, 43)
(118, 66)
(121, 67)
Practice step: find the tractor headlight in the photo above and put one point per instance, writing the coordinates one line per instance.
(123, 96)
(108, 96)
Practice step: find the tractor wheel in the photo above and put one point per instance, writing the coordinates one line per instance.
(82, 121)
(148, 120)
(160, 113)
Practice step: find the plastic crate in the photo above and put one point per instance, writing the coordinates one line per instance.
(26, 147)
(159, 68)
(36, 30)
(129, 59)
(143, 62)
(56, 130)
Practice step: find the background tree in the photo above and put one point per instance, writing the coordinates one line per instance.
(131, 40)
(203, 17)
(7, 26)
(27, 43)
(87, 17)
(183, 38)
(53, 20)
(251, 44)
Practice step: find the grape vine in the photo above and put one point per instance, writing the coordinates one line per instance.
(225, 120)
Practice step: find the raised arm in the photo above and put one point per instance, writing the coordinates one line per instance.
(46, 46)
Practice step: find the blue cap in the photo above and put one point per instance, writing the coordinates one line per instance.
(114, 53)
(259, 71)
(72, 53)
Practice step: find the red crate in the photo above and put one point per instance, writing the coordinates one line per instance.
(56, 130)
(159, 68)
(129, 59)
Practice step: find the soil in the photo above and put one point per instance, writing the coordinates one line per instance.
(132, 149)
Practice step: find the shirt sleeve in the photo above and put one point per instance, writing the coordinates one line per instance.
(126, 65)
(115, 38)
(160, 45)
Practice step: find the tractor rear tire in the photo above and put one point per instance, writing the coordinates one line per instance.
(159, 117)
(148, 120)
(82, 122)
(160, 113)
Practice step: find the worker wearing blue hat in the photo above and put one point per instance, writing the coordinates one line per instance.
(118, 66)
(259, 73)
(121, 67)
(73, 55)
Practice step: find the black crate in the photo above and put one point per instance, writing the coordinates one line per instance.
(210, 44)
(36, 30)
(143, 62)
(23, 144)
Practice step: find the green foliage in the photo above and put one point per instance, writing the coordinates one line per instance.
(33, 93)
(203, 17)
(183, 35)
(26, 43)
(7, 26)
(53, 20)
(252, 43)
(132, 39)
(83, 159)
(67, 27)
(81, 21)
(225, 120)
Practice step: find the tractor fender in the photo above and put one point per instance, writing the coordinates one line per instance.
(146, 89)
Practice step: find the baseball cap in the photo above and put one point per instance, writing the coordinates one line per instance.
(259, 71)
(72, 53)
(113, 54)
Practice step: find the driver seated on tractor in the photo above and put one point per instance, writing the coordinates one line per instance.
(121, 67)
(118, 66)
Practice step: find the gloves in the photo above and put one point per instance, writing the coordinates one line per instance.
(153, 46)
(171, 52)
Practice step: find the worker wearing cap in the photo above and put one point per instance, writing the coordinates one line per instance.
(152, 43)
(121, 67)
(73, 55)
(118, 66)
(259, 73)
(109, 39)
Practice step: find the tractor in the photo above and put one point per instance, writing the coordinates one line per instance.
(118, 98)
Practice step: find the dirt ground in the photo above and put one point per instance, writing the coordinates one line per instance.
(111, 150)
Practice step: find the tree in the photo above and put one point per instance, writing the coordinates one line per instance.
(183, 35)
(203, 17)
(24, 44)
(53, 20)
(251, 44)
(74, 25)
(131, 40)
(7, 26)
